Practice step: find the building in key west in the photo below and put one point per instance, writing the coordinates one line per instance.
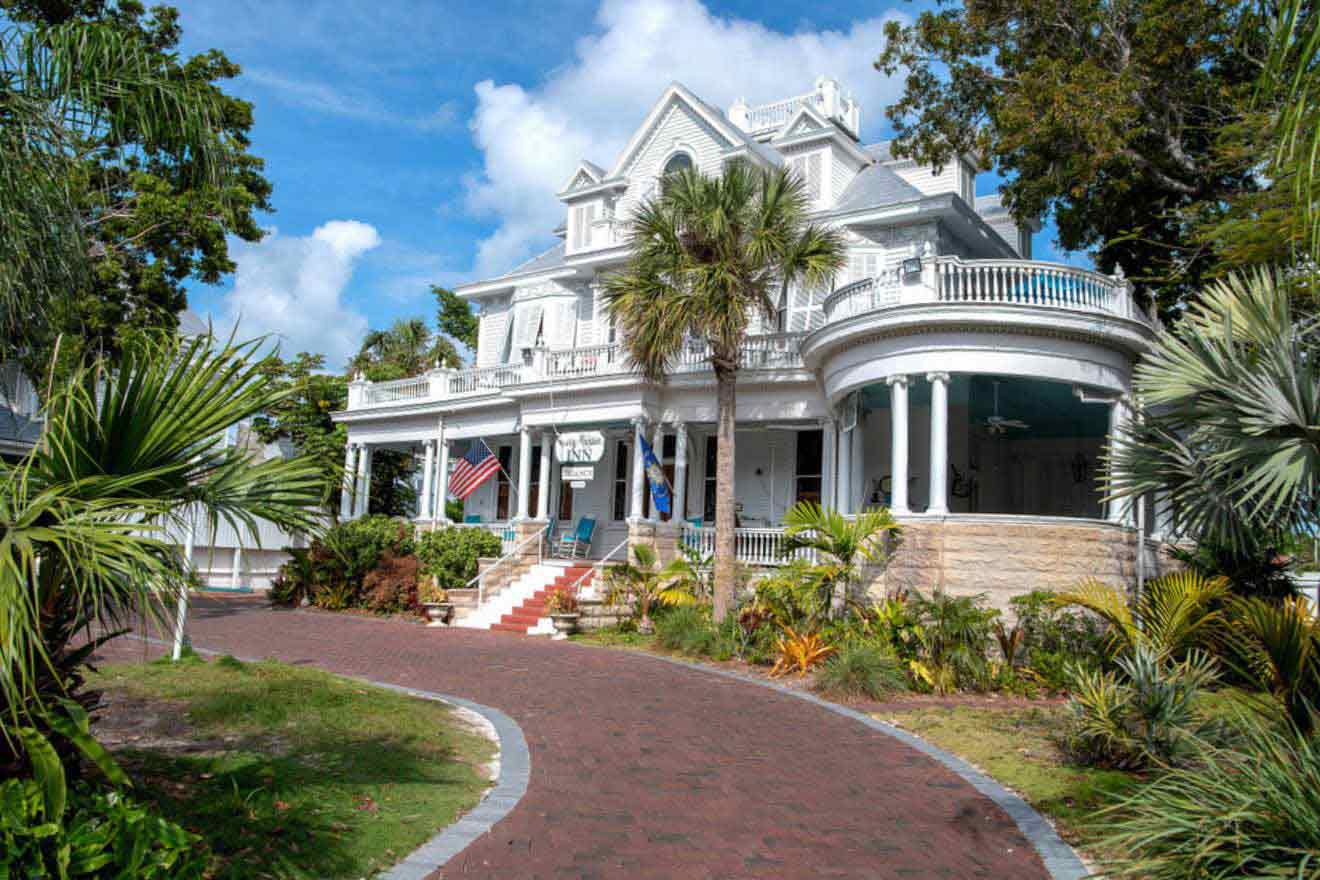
(945, 373)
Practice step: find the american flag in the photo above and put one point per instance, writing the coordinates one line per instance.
(473, 469)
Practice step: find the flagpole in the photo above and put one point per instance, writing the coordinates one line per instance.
(513, 484)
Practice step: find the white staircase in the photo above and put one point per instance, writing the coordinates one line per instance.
(539, 577)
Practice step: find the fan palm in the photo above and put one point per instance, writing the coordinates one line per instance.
(1174, 613)
(846, 544)
(65, 90)
(84, 519)
(1230, 433)
(707, 255)
(645, 584)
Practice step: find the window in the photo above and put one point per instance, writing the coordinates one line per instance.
(712, 457)
(619, 509)
(808, 170)
(583, 217)
(502, 483)
(810, 466)
(678, 162)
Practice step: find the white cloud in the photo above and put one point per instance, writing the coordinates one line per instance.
(530, 139)
(325, 98)
(290, 288)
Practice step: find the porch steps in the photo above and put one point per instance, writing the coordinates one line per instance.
(529, 616)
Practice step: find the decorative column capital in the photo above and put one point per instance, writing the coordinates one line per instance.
(900, 379)
(938, 377)
(638, 423)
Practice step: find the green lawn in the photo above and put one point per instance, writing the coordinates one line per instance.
(290, 772)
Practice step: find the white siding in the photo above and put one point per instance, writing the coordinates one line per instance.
(842, 171)
(924, 178)
(679, 129)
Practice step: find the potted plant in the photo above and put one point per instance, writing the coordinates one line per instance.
(435, 599)
(562, 607)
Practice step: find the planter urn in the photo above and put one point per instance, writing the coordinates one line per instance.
(439, 613)
(565, 624)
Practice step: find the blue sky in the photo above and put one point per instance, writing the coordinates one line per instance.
(413, 142)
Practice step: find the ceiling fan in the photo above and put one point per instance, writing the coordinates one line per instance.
(999, 425)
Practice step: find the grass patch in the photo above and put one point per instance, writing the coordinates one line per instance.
(616, 637)
(1014, 746)
(290, 772)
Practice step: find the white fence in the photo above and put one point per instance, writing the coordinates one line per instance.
(400, 390)
(1026, 282)
(484, 380)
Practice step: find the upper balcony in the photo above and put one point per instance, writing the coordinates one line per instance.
(776, 351)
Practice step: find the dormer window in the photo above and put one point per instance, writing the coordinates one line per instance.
(677, 162)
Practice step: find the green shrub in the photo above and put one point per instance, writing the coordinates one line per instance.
(391, 586)
(952, 640)
(860, 670)
(295, 580)
(1252, 810)
(101, 834)
(688, 630)
(451, 554)
(793, 596)
(359, 544)
(1140, 715)
(1053, 628)
(331, 572)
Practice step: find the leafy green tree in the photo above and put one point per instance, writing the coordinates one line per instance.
(1106, 113)
(407, 348)
(302, 416)
(706, 255)
(125, 170)
(454, 317)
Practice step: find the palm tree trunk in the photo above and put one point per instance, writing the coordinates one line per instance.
(726, 561)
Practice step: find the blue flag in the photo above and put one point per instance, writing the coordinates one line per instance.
(655, 475)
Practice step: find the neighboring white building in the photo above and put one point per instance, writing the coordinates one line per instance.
(1000, 376)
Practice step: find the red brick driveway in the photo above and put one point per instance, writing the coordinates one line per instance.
(643, 768)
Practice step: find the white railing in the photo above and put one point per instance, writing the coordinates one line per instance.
(1025, 282)
(752, 546)
(592, 360)
(867, 295)
(515, 551)
(774, 115)
(400, 390)
(768, 351)
(484, 380)
(502, 530)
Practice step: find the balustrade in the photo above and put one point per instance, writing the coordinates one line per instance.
(752, 546)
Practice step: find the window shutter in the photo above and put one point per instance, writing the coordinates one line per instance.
(813, 176)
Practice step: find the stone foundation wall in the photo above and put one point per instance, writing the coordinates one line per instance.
(1007, 558)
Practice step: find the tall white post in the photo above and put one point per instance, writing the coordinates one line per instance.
(181, 613)
(843, 500)
(658, 445)
(828, 444)
(939, 443)
(236, 570)
(524, 473)
(638, 472)
(543, 494)
(1162, 528)
(858, 479)
(346, 493)
(1119, 508)
(428, 473)
(442, 480)
(363, 494)
(680, 472)
(898, 443)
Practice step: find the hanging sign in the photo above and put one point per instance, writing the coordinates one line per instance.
(577, 474)
(580, 446)
(578, 484)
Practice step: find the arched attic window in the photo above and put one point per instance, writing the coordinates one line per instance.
(677, 163)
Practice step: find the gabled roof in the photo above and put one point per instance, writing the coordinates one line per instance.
(585, 174)
(804, 120)
(734, 136)
(876, 187)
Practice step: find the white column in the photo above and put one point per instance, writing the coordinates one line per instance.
(428, 473)
(442, 480)
(898, 443)
(181, 612)
(363, 481)
(843, 499)
(635, 509)
(346, 493)
(236, 570)
(524, 473)
(857, 482)
(543, 494)
(1120, 509)
(827, 454)
(657, 444)
(939, 442)
(1162, 528)
(680, 472)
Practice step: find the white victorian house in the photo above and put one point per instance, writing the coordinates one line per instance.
(946, 374)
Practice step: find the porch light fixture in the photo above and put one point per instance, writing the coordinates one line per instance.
(912, 265)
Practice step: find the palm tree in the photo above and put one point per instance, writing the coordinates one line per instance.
(846, 544)
(126, 457)
(1231, 404)
(707, 254)
(1288, 84)
(65, 90)
(645, 584)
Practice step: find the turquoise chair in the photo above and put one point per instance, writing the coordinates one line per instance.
(471, 518)
(577, 542)
(690, 539)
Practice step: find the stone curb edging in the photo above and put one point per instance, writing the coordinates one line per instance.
(495, 804)
(1060, 860)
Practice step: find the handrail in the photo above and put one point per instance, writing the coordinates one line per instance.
(480, 578)
(573, 587)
